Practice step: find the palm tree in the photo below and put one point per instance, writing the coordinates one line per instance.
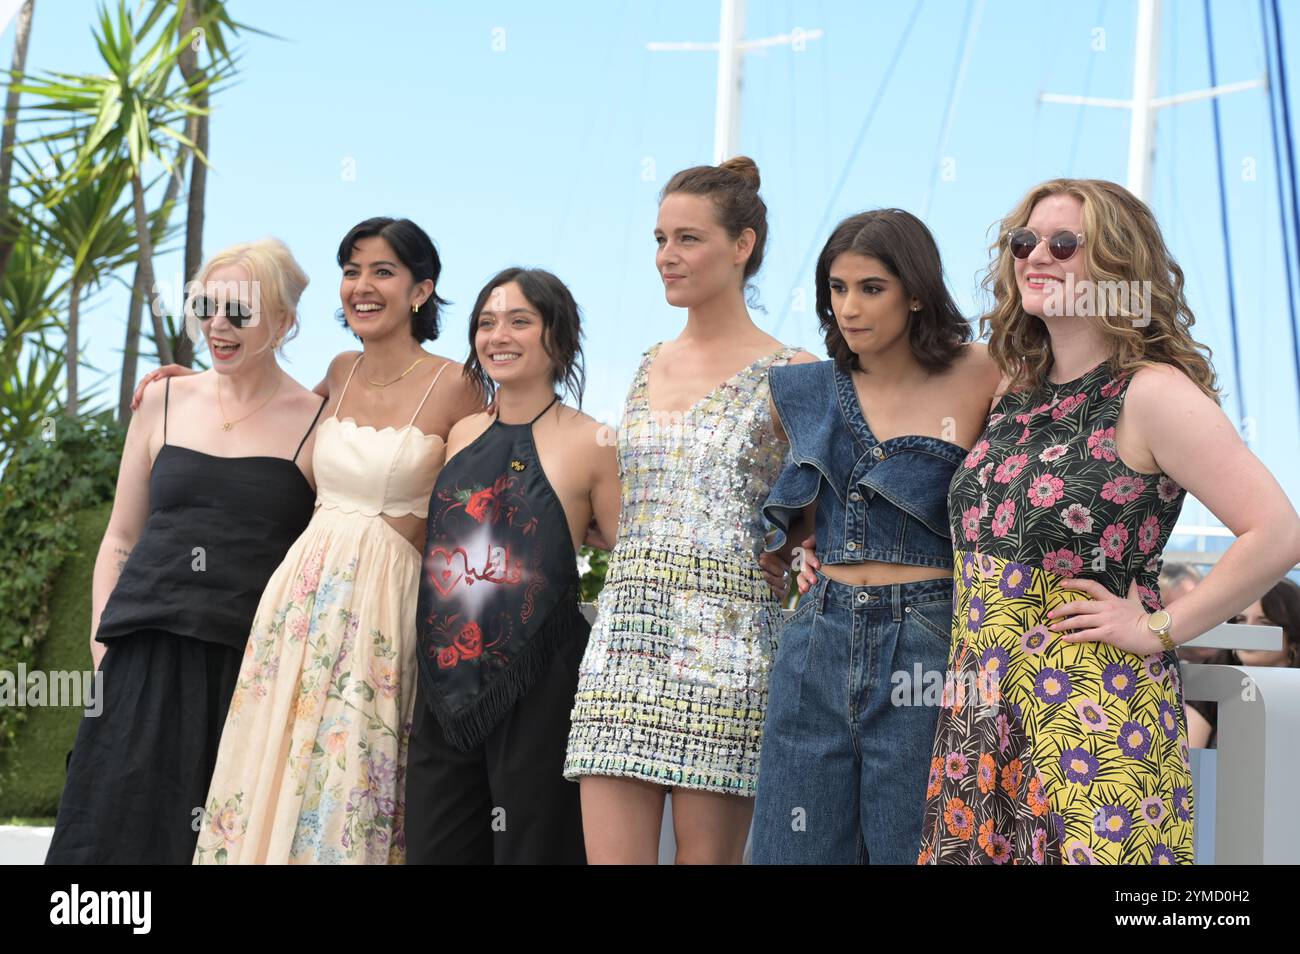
(92, 236)
(7, 234)
(140, 292)
(31, 296)
(124, 117)
(204, 24)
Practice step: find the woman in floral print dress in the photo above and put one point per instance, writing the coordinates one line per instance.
(1061, 735)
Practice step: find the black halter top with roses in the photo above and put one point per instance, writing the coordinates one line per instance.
(499, 585)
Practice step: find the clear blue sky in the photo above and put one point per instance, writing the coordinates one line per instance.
(550, 152)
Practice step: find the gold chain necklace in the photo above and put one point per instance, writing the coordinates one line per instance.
(228, 424)
(400, 376)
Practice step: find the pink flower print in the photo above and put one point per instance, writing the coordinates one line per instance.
(995, 419)
(984, 472)
(1113, 540)
(308, 579)
(1022, 418)
(1024, 436)
(1068, 405)
(1063, 562)
(1148, 534)
(970, 523)
(1167, 490)
(1003, 517)
(1123, 489)
(1041, 408)
(1112, 387)
(1010, 468)
(1045, 490)
(1148, 598)
(298, 626)
(976, 455)
(956, 765)
(1101, 443)
(1053, 453)
(1078, 518)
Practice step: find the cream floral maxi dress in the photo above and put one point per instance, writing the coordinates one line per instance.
(313, 754)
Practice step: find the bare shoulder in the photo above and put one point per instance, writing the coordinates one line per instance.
(468, 428)
(804, 357)
(975, 360)
(152, 401)
(577, 424)
(1160, 388)
(451, 374)
(302, 400)
(340, 365)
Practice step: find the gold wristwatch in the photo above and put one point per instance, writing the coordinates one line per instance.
(1160, 623)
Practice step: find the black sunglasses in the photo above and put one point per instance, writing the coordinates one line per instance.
(236, 312)
(1061, 244)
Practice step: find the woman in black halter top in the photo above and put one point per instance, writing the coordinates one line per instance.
(500, 630)
(218, 522)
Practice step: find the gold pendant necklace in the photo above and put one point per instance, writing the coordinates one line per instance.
(400, 376)
(228, 424)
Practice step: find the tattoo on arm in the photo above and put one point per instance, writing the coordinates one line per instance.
(122, 556)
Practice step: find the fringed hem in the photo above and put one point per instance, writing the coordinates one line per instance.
(473, 723)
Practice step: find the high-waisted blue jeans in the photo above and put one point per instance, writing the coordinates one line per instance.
(850, 724)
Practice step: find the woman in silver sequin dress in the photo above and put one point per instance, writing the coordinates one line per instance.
(673, 686)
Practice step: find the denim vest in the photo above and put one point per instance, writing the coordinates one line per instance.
(876, 500)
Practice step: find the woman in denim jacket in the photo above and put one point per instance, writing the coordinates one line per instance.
(875, 435)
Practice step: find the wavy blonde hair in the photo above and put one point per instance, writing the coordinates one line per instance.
(1121, 243)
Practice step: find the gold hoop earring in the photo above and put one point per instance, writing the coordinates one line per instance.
(415, 309)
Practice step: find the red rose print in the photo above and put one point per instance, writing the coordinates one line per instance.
(469, 643)
(484, 506)
(448, 656)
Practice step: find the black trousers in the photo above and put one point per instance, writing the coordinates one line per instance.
(506, 801)
(140, 770)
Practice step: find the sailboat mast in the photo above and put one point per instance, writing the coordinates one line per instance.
(1142, 120)
(726, 116)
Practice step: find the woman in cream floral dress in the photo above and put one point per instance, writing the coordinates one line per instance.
(313, 753)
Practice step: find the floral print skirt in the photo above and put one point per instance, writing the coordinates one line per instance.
(1049, 752)
(311, 767)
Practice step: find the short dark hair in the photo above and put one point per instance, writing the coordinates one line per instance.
(902, 243)
(417, 252)
(561, 329)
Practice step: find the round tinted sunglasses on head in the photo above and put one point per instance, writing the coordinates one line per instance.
(236, 312)
(1062, 244)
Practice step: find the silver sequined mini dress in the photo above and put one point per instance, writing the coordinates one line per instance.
(673, 685)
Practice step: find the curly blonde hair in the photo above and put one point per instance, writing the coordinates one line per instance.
(1122, 243)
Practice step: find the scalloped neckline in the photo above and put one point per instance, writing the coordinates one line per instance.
(379, 430)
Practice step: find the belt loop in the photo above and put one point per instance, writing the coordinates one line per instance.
(896, 600)
(818, 593)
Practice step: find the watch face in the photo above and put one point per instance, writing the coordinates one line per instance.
(1158, 620)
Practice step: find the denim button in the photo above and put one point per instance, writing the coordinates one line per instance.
(850, 545)
(862, 597)
(877, 452)
(855, 496)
